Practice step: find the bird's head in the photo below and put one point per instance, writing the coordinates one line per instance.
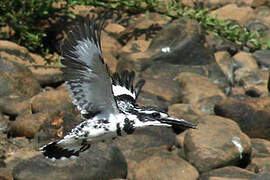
(151, 114)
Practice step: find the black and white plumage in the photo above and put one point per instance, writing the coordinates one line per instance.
(107, 103)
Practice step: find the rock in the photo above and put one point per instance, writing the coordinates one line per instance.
(165, 89)
(50, 100)
(248, 74)
(147, 99)
(143, 27)
(165, 165)
(252, 115)
(114, 28)
(168, 48)
(227, 173)
(220, 44)
(109, 44)
(15, 106)
(259, 165)
(137, 62)
(43, 73)
(16, 80)
(262, 57)
(260, 147)
(205, 151)
(257, 3)
(240, 14)
(4, 124)
(81, 10)
(257, 25)
(6, 174)
(226, 64)
(180, 49)
(103, 161)
(142, 144)
(136, 46)
(144, 21)
(161, 70)
(214, 4)
(16, 53)
(246, 61)
(47, 75)
(180, 110)
(27, 124)
(8, 146)
(261, 176)
(110, 60)
(262, 15)
(195, 88)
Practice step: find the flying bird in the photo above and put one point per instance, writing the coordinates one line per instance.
(107, 103)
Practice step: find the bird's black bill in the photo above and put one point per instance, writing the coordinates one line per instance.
(181, 123)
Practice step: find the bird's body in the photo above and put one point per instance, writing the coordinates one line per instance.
(107, 103)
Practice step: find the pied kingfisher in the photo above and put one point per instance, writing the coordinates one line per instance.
(106, 103)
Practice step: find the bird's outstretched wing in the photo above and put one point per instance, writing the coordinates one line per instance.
(85, 73)
(123, 89)
(90, 86)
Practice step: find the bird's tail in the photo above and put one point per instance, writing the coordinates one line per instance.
(61, 149)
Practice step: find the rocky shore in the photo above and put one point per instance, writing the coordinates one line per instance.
(189, 72)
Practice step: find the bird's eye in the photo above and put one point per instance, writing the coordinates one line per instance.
(155, 115)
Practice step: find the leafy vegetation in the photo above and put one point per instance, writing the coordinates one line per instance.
(27, 19)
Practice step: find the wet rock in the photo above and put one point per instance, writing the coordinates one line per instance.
(262, 57)
(16, 80)
(165, 165)
(229, 172)
(260, 147)
(240, 14)
(205, 151)
(259, 165)
(252, 115)
(195, 88)
(180, 49)
(99, 162)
